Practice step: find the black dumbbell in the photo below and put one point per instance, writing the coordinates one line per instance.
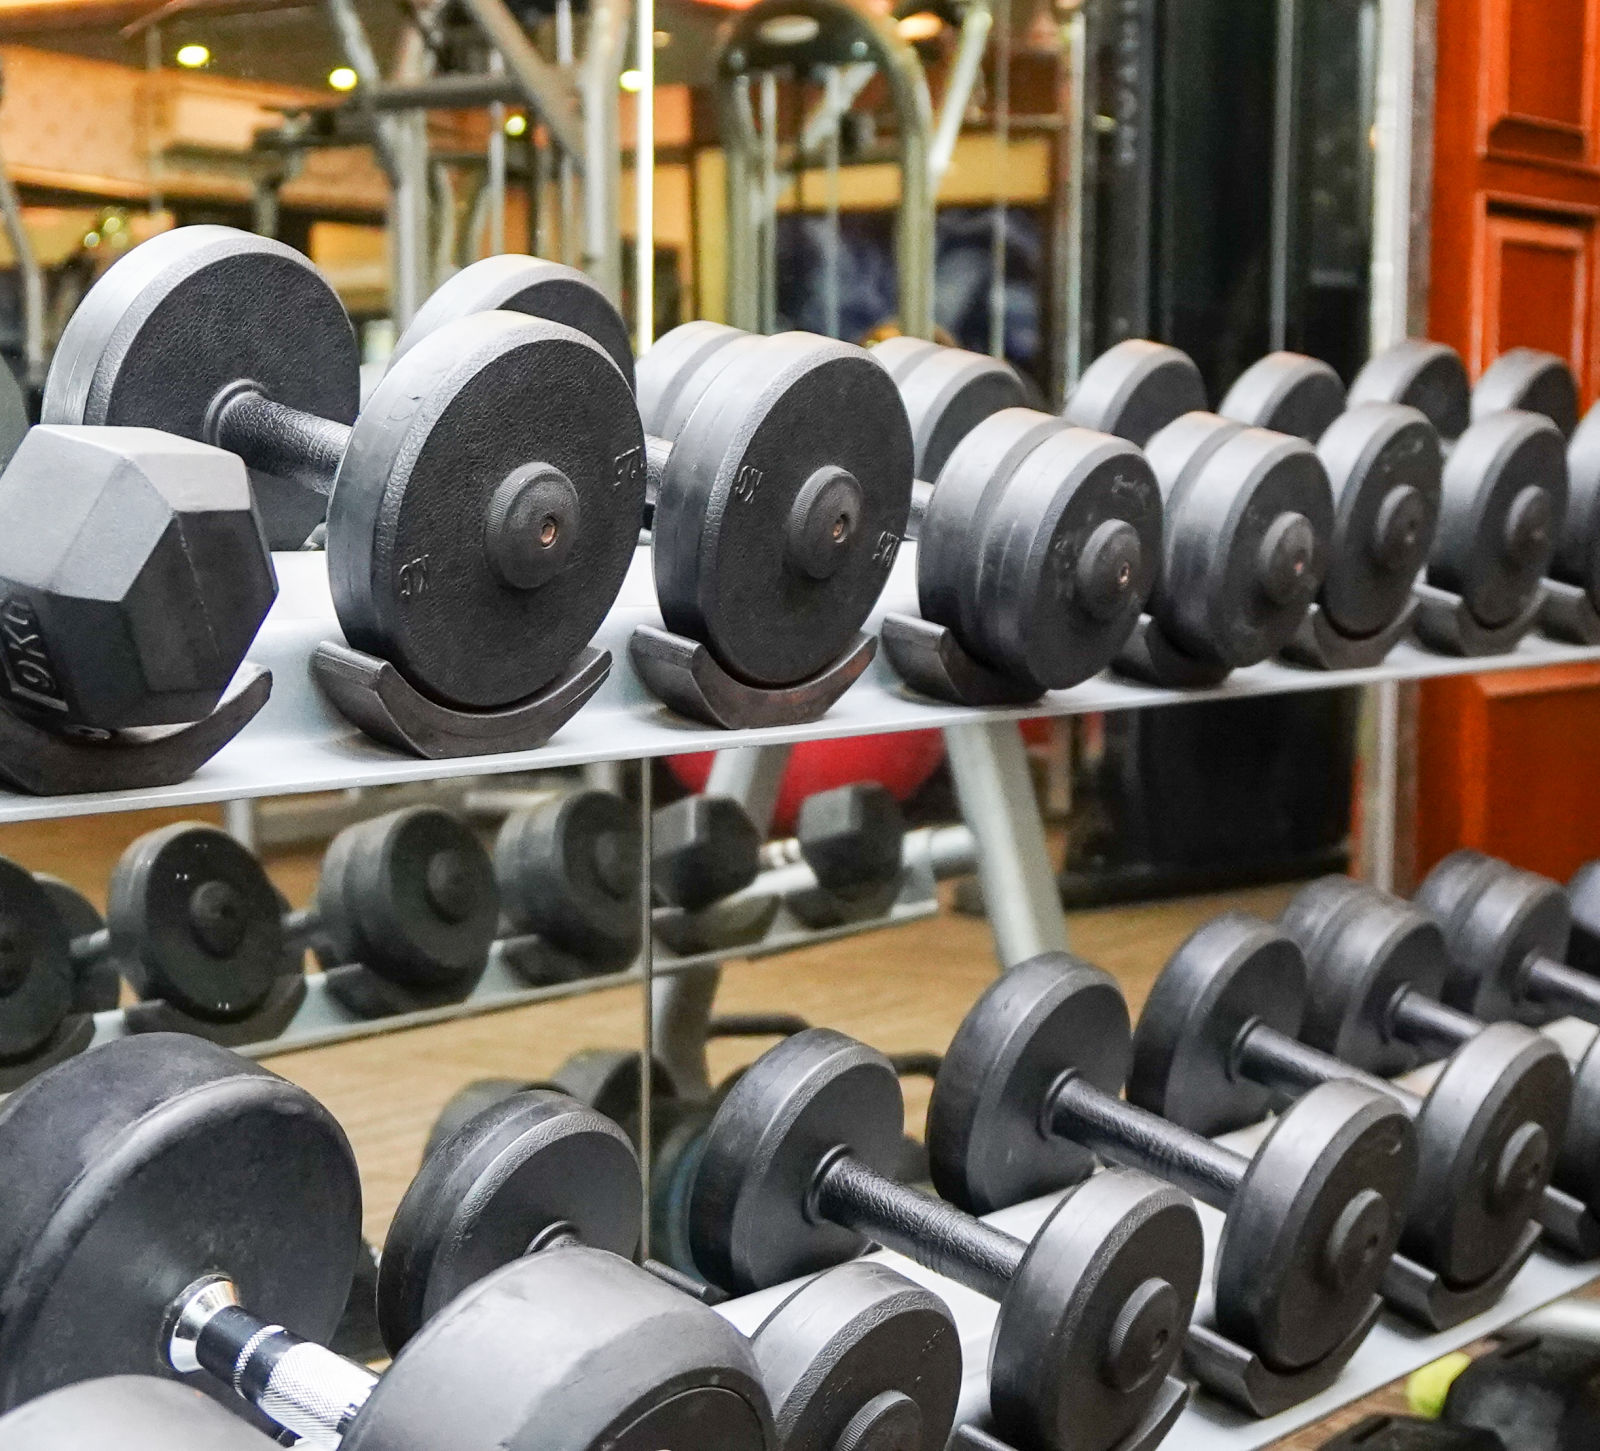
(859, 1357)
(130, 1412)
(97, 983)
(947, 393)
(1217, 1049)
(43, 1013)
(794, 1177)
(1410, 1433)
(228, 1186)
(474, 546)
(853, 840)
(1376, 966)
(702, 849)
(1027, 1097)
(1533, 1392)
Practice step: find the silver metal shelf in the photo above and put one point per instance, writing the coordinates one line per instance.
(299, 743)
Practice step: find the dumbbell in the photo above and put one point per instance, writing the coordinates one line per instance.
(1027, 1097)
(794, 1178)
(859, 1357)
(130, 1412)
(1375, 969)
(474, 546)
(1247, 513)
(853, 840)
(227, 1186)
(1216, 1049)
(947, 393)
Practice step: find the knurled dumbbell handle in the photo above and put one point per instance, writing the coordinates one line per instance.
(1135, 1138)
(1430, 1025)
(281, 440)
(934, 1234)
(1563, 987)
(1287, 1066)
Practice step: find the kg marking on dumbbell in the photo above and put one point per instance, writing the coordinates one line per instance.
(1217, 1048)
(1027, 1097)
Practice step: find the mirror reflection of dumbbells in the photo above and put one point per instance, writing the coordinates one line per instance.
(1377, 967)
(858, 1357)
(238, 1196)
(130, 1412)
(1026, 1098)
(1217, 1048)
(794, 1178)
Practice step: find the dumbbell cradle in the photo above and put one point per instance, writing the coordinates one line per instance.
(1216, 1050)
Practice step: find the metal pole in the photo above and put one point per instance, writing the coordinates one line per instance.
(644, 178)
(566, 176)
(976, 22)
(549, 90)
(1069, 364)
(647, 1033)
(1283, 146)
(1002, 142)
(833, 93)
(599, 79)
(497, 163)
(768, 311)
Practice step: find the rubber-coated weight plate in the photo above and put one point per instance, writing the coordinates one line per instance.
(1535, 382)
(1234, 973)
(860, 1356)
(474, 543)
(1578, 1159)
(150, 1162)
(513, 282)
(498, 1366)
(468, 1102)
(1135, 389)
(675, 373)
(132, 1413)
(607, 1080)
(190, 312)
(987, 1144)
(947, 393)
(522, 1167)
(13, 415)
(36, 979)
(782, 507)
(1505, 491)
(1577, 558)
(1385, 467)
(1337, 1168)
(195, 922)
(1288, 393)
(96, 982)
(814, 1092)
(1427, 376)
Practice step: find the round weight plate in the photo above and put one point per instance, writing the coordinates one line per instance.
(416, 897)
(475, 545)
(782, 506)
(195, 922)
(1135, 389)
(569, 870)
(1532, 381)
(468, 1102)
(1427, 376)
(151, 1161)
(1577, 559)
(677, 1138)
(1067, 560)
(1313, 1223)
(1505, 490)
(1096, 1315)
(947, 393)
(1246, 547)
(1487, 1137)
(187, 314)
(816, 1091)
(512, 282)
(36, 978)
(675, 373)
(1363, 949)
(13, 415)
(96, 983)
(1288, 393)
(497, 1368)
(1234, 973)
(607, 1080)
(532, 1163)
(987, 1145)
(1385, 467)
(861, 1349)
(1578, 1160)
(132, 1413)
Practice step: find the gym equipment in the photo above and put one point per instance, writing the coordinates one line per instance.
(1027, 1097)
(1572, 588)
(704, 851)
(1385, 465)
(856, 1356)
(853, 839)
(1410, 1433)
(1037, 542)
(1247, 519)
(43, 1018)
(97, 982)
(131, 1412)
(794, 1178)
(1216, 1049)
(1533, 1392)
(1376, 967)
(1504, 486)
(227, 1185)
(133, 579)
(568, 874)
(473, 550)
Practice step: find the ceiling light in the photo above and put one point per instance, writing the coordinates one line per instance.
(516, 124)
(193, 56)
(924, 25)
(631, 80)
(342, 78)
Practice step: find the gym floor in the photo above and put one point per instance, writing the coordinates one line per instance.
(901, 989)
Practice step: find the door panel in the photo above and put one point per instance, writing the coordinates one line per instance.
(1536, 285)
(1540, 93)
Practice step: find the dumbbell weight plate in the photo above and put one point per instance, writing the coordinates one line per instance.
(947, 393)
(195, 922)
(151, 1162)
(36, 979)
(97, 985)
(478, 545)
(1505, 491)
(1135, 389)
(1427, 376)
(467, 1102)
(510, 282)
(1577, 558)
(190, 312)
(782, 507)
(1532, 381)
(131, 1413)
(1288, 393)
(675, 373)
